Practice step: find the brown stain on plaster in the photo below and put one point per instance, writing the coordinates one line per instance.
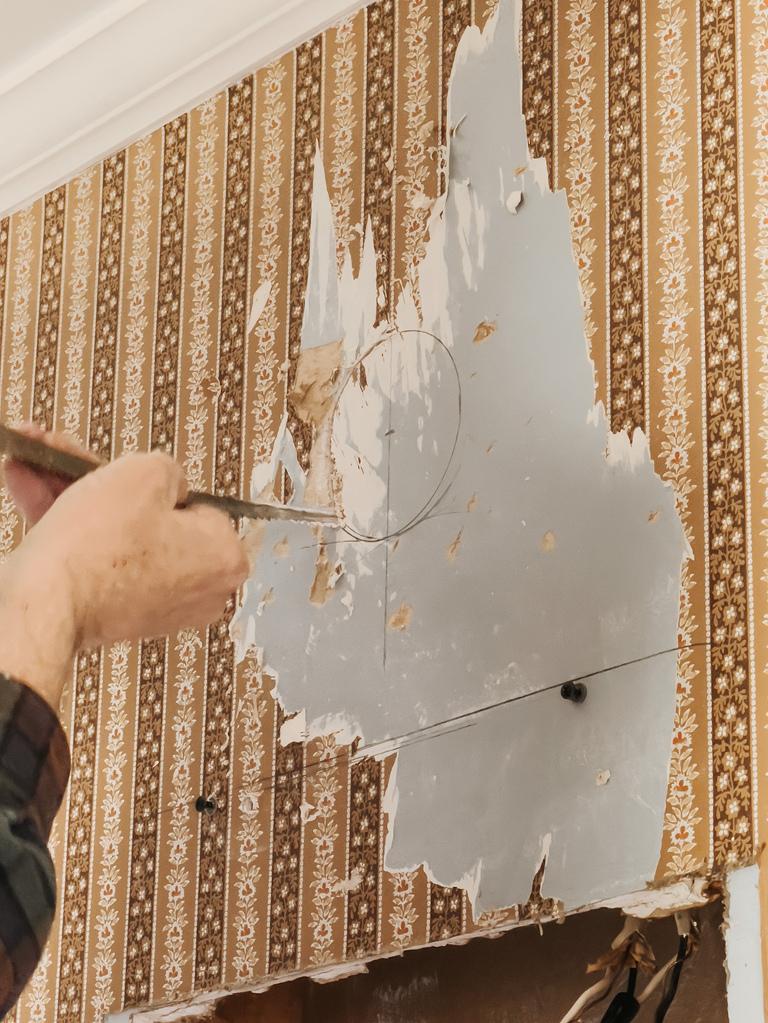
(322, 587)
(401, 619)
(548, 541)
(453, 549)
(282, 548)
(654, 515)
(490, 447)
(253, 537)
(472, 503)
(484, 330)
(521, 169)
(313, 394)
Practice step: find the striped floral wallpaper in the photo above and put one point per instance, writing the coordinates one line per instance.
(124, 304)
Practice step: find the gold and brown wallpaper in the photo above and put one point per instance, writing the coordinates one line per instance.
(124, 303)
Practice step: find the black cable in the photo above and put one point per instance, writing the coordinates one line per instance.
(440, 491)
(670, 986)
(624, 1006)
(458, 722)
(393, 744)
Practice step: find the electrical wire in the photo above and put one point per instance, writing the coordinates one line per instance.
(461, 721)
(444, 483)
(268, 782)
(624, 1006)
(673, 979)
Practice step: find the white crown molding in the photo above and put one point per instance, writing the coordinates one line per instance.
(127, 70)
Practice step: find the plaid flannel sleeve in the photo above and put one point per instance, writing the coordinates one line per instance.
(34, 769)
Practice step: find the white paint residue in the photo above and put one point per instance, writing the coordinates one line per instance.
(259, 304)
(596, 415)
(314, 635)
(344, 729)
(322, 323)
(470, 881)
(294, 729)
(538, 167)
(513, 201)
(471, 228)
(283, 453)
(357, 450)
(249, 803)
(351, 883)
(433, 276)
(626, 453)
(546, 844)
(336, 573)
(656, 903)
(358, 300)
(474, 42)
(389, 810)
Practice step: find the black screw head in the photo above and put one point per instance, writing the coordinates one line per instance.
(576, 692)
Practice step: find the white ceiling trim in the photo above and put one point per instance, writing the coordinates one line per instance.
(128, 69)
(49, 54)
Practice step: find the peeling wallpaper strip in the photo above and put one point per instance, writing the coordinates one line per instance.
(380, 112)
(364, 863)
(727, 469)
(77, 301)
(669, 222)
(539, 79)
(49, 308)
(306, 131)
(91, 366)
(153, 654)
(626, 214)
(754, 25)
(213, 859)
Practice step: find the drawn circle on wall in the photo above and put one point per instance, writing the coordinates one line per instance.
(397, 425)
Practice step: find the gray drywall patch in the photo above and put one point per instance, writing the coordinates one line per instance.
(552, 550)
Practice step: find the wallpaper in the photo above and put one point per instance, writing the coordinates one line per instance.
(125, 298)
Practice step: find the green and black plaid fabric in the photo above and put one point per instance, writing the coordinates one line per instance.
(34, 768)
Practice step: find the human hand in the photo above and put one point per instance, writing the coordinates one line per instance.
(33, 490)
(134, 563)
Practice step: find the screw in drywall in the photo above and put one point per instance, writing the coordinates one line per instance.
(206, 806)
(576, 692)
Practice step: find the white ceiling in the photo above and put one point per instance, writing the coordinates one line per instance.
(81, 78)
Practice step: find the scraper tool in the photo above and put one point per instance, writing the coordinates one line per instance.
(72, 467)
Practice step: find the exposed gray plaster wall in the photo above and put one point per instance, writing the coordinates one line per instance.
(568, 562)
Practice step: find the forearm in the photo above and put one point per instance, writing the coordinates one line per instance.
(37, 626)
(34, 767)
